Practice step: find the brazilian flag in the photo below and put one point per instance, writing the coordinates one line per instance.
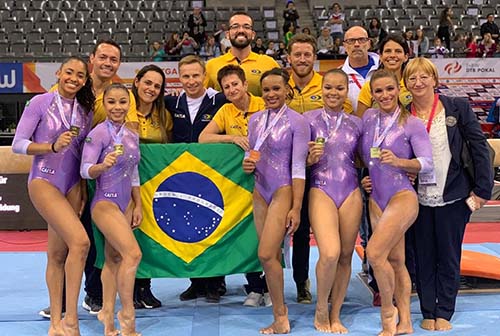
(197, 212)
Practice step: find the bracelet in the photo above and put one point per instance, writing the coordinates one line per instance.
(53, 147)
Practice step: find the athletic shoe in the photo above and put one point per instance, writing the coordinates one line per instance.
(267, 300)
(92, 304)
(191, 293)
(145, 299)
(253, 299)
(213, 296)
(304, 293)
(46, 312)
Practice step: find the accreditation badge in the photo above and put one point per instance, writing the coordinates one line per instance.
(375, 152)
(118, 149)
(427, 178)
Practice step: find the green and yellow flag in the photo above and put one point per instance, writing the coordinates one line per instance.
(197, 208)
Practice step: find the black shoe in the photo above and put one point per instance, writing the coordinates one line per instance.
(213, 296)
(222, 287)
(190, 294)
(146, 299)
(304, 292)
(92, 304)
(46, 311)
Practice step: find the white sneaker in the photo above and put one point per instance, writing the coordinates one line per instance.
(253, 299)
(267, 300)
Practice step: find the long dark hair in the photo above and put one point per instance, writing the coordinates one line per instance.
(396, 39)
(85, 96)
(284, 75)
(159, 103)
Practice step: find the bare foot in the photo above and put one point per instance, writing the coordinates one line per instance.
(442, 324)
(404, 327)
(321, 320)
(428, 324)
(70, 329)
(56, 330)
(108, 320)
(337, 327)
(281, 325)
(127, 324)
(389, 323)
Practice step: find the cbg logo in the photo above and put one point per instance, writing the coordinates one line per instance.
(452, 68)
(11, 78)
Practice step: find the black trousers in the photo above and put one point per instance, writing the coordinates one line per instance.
(301, 240)
(256, 283)
(439, 232)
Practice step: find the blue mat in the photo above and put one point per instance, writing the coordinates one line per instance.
(23, 293)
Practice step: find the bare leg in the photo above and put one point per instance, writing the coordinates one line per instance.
(61, 217)
(323, 214)
(388, 229)
(273, 218)
(108, 278)
(116, 228)
(349, 220)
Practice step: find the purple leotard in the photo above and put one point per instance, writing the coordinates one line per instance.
(405, 141)
(283, 152)
(115, 184)
(335, 173)
(42, 122)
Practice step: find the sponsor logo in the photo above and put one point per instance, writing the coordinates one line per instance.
(452, 68)
(11, 78)
(256, 71)
(316, 98)
(179, 115)
(110, 195)
(47, 170)
(3, 180)
(206, 117)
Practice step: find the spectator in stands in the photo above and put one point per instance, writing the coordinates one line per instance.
(225, 45)
(289, 33)
(408, 36)
(306, 86)
(111, 156)
(191, 113)
(271, 51)
(487, 47)
(306, 30)
(277, 157)
(197, 23)
(291, 16)
(438, 50)
(444, 211)
(471, 46)
(334, 197)
(157, 52)
(221, 33)
(325, 42)
(210, 49)
(241, 35)
(458, 45)
(359, 64)
(490, 27)
(422, 42)
(338, 48)
(445, 27)
(259, 47)
(173, 46)
(336, 21)
(188, 44)
(376, 32)
(282, 54)
(53, 128)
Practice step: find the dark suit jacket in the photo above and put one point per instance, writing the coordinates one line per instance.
(458, 185)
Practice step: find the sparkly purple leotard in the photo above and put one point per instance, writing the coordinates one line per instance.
(283, 152)
(405, 141)
(43, 122)
(115, 184)
(335, 173)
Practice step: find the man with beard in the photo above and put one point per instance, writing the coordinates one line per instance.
(241, 35)
(306, 85)
(359, 64)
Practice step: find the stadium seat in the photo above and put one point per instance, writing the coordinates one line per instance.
(72, 48)
(54, 47)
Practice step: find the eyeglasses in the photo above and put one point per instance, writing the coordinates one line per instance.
(360, 40)
(423, 79)
(238, 27)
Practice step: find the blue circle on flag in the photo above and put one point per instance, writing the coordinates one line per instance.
(188, 207)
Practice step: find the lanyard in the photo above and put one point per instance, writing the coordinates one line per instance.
(326, 117)
(355, 79)
(267, 131)
(61, 111)
(433, 112)
(379, 138)
(117, 137)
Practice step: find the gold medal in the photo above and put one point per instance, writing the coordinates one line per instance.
(320, 141)
(75, 130)
(118, 149)
(375, 152)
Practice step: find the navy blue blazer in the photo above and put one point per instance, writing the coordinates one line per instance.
(458, 185)
(183, 129)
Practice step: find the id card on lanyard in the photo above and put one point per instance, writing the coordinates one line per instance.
(428, 178)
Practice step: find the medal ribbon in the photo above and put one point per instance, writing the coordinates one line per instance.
(379, 138)
(267, 131)
(61, 111)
